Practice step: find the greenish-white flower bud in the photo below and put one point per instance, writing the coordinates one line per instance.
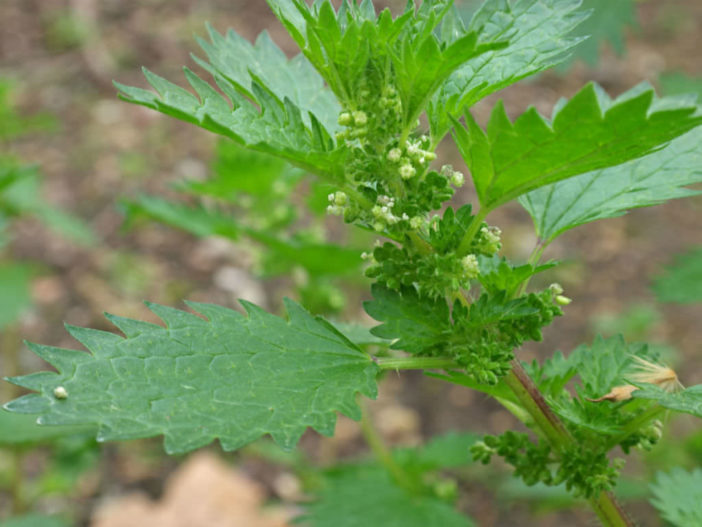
(417, 222)
(470, 266)
(360, 118)
(457, 179)
(345, 119)
(556, 289)
(340, 198)
(394, 155)
(413, 149)
(562, 300)
(407, 171)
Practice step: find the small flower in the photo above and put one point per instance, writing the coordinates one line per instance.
(470, 266)
(446, 171)
(413, 148)
(345, 119)
(457, 179)
(360, 118)
(394, 155)
(556, 289)
(407, 171)
(491, 239)
(562, 300)
(340, 198)
(416, 222)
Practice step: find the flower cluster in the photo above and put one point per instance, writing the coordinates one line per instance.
(587, 472)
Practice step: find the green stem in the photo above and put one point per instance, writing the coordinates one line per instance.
(381, 450)
(636, 424)
(533, 260)
(552, 428)
(415, 363)
(609, 512)
(528, 394)
(472, 231)
(423, 247)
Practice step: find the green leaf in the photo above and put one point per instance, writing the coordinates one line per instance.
(604, 364)
(21, 195)
(368, 496)
(234, 58)
(537, 32)
(611, 192)
(451, 450)
(687, 401)
(230, 377)
(675, 83)
(270, 104)
(15, 296)
(607, 23)
(499, 391)
(352, 48)
(678, 496)
(22, 429)
(681, 282)
(498, 275)
(237, 170)
(588, 132)
(552, 376)
(417, 325)
(358, 334)
(34, 520)
(317, 258)
(197, 220)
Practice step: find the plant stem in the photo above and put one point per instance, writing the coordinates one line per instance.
(528, 394)
(381, 450)
(547, 422)
(422, 246)
(533, 260)
(415, 363)
(636, 424)
(472, 230)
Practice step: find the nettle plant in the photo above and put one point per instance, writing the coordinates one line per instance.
(349, 109)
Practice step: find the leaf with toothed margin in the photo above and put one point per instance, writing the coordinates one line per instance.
(229, 377)
(587, 133)
(677, 495)
(539, 36)
(260, 100)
